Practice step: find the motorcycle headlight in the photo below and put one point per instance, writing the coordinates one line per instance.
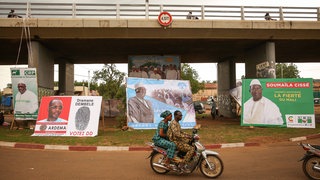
(196, 137)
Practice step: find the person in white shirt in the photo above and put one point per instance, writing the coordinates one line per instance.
(54, 110)
(144, 73)
(26, 102)
(139, 109)
(259, 109)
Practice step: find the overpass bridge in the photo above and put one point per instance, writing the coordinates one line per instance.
(69, 33)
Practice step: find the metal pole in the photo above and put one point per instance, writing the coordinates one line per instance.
(147, 9)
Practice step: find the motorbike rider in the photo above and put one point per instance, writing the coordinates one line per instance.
(161, 139)
(180, 138)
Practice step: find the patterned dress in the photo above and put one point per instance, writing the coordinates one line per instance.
(163, 142)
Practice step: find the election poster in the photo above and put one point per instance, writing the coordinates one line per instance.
(154, 67)
(25, 93)
(278, 102)
(148, 98)
(68, 116)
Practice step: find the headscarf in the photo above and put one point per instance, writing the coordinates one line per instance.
(165, 114)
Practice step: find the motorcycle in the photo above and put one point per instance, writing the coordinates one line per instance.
(208, 161)
(311, 161)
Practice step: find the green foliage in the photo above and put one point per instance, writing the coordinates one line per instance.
(122, 117)
(284, 70)
(188, 73)
(110, 80)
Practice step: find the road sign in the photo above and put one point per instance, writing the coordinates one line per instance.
(165, 19)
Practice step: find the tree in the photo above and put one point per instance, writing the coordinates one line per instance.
(110, 80)
(188, 73)
(284, 70)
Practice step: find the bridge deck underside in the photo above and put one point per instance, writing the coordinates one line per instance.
(87, 51)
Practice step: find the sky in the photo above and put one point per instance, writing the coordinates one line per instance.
(206, 71)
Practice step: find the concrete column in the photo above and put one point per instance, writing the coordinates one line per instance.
(226, 81)
(42, 59)
(66, 79)
(260, 61)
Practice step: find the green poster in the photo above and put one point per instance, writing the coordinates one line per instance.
(278, 102)
(25, 93)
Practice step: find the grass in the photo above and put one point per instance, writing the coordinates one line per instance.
(212, 132)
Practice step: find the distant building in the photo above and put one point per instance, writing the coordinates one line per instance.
(210, 89)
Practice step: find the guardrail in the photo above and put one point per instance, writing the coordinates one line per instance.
(151, 11)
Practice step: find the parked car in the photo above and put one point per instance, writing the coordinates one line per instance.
(199, 107)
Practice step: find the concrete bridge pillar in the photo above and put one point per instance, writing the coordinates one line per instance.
(42, 59)
(66, 78)
(226, 81)
(260, 61)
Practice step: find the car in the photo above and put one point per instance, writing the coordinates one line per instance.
(199, 107)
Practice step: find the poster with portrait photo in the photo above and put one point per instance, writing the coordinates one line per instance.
(25, 93)
(53, 115)
(148, 98)
(68, 116)
(278, 103)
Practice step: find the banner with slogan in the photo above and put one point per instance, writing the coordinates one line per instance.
(68, 116)
(278, 102)
(25, 93)
(154, 67)
(148, 98)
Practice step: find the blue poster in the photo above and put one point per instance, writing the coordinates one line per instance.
(148, 98)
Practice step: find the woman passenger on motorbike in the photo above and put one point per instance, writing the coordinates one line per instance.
(160, 138)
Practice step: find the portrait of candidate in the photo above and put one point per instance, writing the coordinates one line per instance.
(259, 109)
(54, 110)
(139, 109)
(25, 100)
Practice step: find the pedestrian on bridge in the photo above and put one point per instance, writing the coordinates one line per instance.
(12, 14)
(268, 17)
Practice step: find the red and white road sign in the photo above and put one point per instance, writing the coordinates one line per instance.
(165, 19)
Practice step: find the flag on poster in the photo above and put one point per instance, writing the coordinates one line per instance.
(25, 93)
(68, 116)
(278, 102)
(148, 98)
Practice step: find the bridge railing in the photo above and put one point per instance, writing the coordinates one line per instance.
(151, 11)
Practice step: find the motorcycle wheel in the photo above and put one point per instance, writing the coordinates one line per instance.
(215, 163)
(157, 158)
(307, 167)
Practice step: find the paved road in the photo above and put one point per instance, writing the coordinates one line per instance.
(274, 161)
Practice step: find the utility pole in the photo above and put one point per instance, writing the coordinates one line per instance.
(88, 82)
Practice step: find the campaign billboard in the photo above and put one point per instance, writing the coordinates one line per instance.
(148, 98)
(154, 67)
(278, 102)
(25, 93)
(68, 116)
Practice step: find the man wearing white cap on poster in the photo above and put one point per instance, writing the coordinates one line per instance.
(139, 109)
(25, 101)
(259, 109)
